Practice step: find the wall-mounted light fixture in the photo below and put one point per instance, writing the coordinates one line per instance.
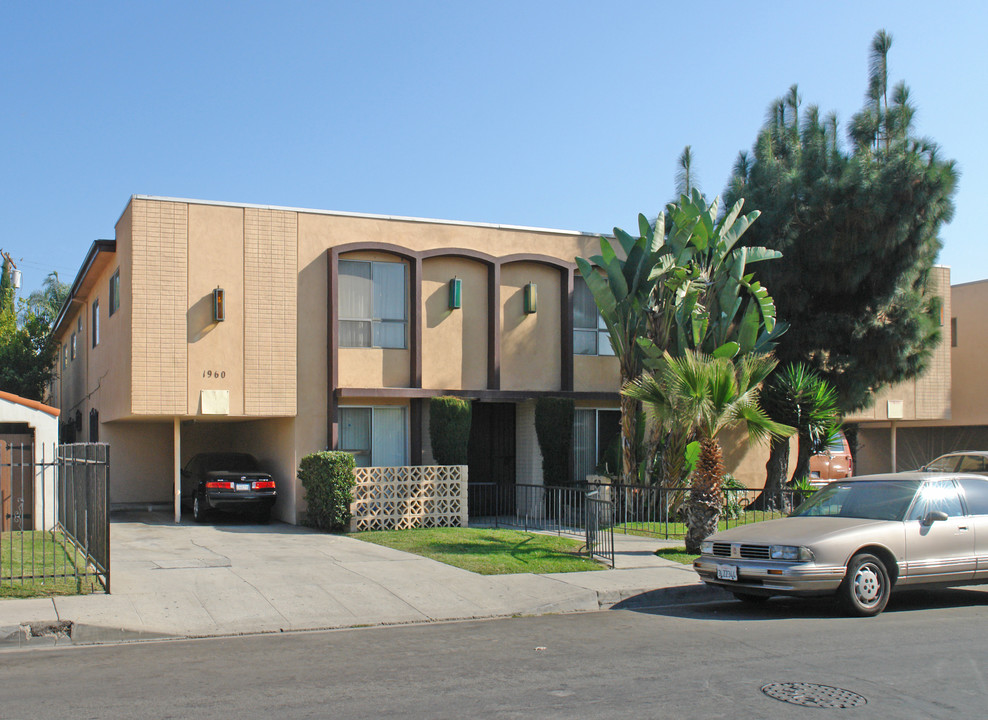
(531, 299)
(455, 293)
(219, 305)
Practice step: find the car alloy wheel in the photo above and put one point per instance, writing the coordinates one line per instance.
(866, 587)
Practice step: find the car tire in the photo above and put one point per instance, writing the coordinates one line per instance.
(750, 598)
(198, 510)
(866, 586)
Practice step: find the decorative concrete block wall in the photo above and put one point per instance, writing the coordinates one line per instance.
(400, 498)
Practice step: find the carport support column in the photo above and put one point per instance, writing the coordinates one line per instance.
(892, 442)
(177, 465)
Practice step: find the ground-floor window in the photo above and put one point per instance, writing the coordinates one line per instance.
(595, 432)
(376, 436)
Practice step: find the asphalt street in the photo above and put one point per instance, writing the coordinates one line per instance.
(925, 657)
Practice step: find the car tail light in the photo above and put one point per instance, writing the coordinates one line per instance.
(220, 485)
(264, 485)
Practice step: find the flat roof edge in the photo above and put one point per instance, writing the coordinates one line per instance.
(367, 216)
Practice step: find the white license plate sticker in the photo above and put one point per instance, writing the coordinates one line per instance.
(243, 486)
(727, 572)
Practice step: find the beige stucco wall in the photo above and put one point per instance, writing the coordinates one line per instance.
(592, 373)
(530, 342)
(140, 461)
(967, 359)
(215, 349)
(454, 342)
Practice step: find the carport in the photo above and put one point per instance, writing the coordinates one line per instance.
(270, 440)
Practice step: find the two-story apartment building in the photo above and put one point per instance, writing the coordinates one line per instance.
(281, 331)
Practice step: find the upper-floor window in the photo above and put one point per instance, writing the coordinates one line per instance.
(78, 324)
(590, 336)
(115, 291)
(72, 345)
(65, 356)
(372, 308)
(95, 324)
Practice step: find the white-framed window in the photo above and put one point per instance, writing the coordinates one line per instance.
(594, 430)
(95, 322)
(373, 307)
(375, 436)
(590, 336)
(72, 345)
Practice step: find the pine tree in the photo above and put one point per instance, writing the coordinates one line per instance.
(858, 228)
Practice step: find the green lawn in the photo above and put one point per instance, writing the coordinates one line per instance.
(678, 529)
(488, 551)
(676, 554)
(35, 553)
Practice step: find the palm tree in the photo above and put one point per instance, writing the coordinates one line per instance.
(621, 293)
(797, 396)
(706, 395)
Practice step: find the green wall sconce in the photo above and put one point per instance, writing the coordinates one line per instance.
(219, 305)
(455, 293)
(531, 299)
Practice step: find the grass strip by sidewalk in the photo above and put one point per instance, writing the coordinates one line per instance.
(39, 557)
(488, 551)
(676, 554)
(678, 529)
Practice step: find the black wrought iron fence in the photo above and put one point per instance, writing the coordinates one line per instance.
(632, 509)
(562, 510)
(660, 511)
(54, 522)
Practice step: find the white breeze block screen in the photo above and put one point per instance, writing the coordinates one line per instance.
(399, 498)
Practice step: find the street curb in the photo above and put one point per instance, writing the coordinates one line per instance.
(658, 597)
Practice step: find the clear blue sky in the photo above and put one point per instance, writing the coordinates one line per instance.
(554, 114)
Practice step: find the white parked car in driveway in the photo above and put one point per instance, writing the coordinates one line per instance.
(859, 538)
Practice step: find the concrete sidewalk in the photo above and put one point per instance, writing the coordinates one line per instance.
(193, 580)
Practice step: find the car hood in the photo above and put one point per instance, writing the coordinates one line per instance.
(799, 530)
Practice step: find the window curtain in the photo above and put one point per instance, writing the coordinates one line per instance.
(389, 437)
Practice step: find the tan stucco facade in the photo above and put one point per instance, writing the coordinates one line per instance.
(270, 377)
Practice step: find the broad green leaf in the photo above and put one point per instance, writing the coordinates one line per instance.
(728, 350)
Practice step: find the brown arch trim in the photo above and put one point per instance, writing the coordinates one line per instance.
(415, 260)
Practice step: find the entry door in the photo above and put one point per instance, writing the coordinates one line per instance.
(16, 482)
(491, 457)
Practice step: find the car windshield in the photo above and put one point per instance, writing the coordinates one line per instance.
(875, 500)
(240, 462)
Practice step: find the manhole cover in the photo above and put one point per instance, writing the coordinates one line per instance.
(813, 695)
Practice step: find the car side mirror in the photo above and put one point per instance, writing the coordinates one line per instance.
(933, 515)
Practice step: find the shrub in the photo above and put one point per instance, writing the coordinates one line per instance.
(328, 481)
(449, 429)
(554, 428)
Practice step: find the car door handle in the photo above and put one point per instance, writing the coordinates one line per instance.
(963, 528)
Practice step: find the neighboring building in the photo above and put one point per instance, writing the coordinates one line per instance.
(283, 331)
(28, 436)
(944, 410)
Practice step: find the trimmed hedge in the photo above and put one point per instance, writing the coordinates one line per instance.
(328, 481)
(449, 429)
(554, 428)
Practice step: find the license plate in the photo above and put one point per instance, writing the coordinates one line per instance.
(727, 572)
(242, 486)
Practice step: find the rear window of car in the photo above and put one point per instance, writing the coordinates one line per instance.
(971, 463)
(976, 494)
(875, 500)
(214, 462)
(948, 463)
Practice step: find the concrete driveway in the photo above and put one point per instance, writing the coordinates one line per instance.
(230, 578)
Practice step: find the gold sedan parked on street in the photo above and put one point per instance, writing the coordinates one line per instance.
(859, 538)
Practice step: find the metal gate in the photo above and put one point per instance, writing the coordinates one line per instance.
(56, 526)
